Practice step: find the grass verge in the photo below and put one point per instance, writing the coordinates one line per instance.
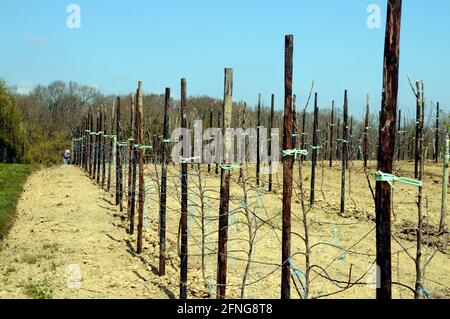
(12, 178)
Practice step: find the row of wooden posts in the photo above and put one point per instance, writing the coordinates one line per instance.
(97, 151)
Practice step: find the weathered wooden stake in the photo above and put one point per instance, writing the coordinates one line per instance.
(104, 149)
(219, 126)
(225, 186)
(131, 153)
(288, 162)
(383, 202)
(436, 148)
(332, 125)
(141, 195)
(184, 199)
(96, 144)
(100, 144)
(366, 134)
(163, 194)
(444, 186)
(111, 147)
(271, 123)
(118, 153)
(344, 151)
(314, 146)
(258, 151)
(419, 273)
(134, 169)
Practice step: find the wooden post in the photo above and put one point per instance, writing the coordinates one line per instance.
(288, 162)
(419, 278)
(416, 140)
(163, 199)
(315, 144)
(225, 186)
(88, 145)
(219, 123)
(118, 153)
(112, 147)
(141, 196)
(383, 201)
(100, 143)
(184, 200)
(399, 132)
(366, 134)
(350, 144)
(258, 151)
(338, 146)
(444, 186)
(294, 119)
(134, 168)
(104, 149)
(344, 151)
(96, 143)
(332, 125)
(91, 143)
(272, 115)
(131, 153)
(436, 148)
(303, 132)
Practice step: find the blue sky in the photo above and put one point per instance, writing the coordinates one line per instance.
(158, 42)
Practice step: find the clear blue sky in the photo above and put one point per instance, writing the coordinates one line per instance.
(158, 42)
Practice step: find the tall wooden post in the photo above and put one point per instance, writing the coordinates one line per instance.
(163, 194)
(399, 132)
(134, 168)
(272, 115)
(131, 153)
(338, 146)
(332, 125)
(315, 145)
(91, 143)
(344, 151)
(303, 131)
(219, 126)
(184, 199)
(141, 196)
(118, 153)
(294, 119)
(104, 149)
(100, 144)
(96, 144)
(436, 141)
(288, 162)
(444, 186)
(112, 147)
(258, 151)
(418, 260)
(225, 186)
(383, 201)
(366, 135)
(88, 139)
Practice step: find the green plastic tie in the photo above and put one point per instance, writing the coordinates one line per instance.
(229, 167)
(384, 177)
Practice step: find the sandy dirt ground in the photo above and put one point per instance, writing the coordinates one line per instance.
(69, 242)
(70, 238)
